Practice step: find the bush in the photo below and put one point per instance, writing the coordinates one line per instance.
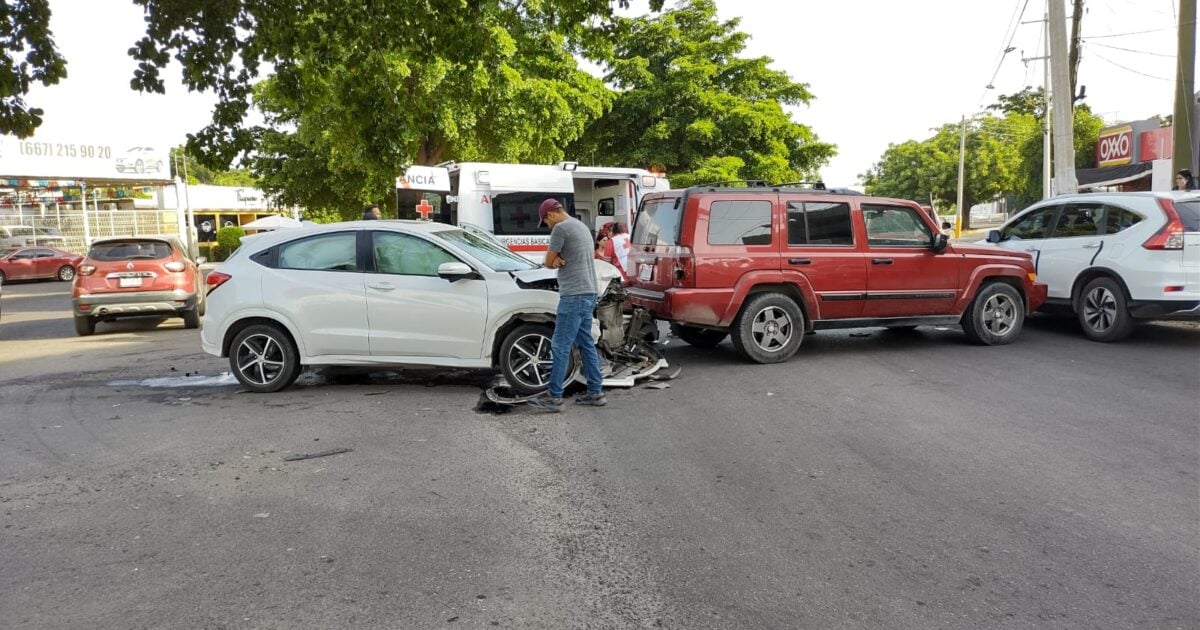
(229, 238)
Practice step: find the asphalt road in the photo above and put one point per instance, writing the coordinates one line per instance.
(878, 480)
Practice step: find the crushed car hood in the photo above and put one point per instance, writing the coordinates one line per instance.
(547, 279)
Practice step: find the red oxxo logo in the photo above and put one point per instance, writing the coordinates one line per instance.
(1115, 146)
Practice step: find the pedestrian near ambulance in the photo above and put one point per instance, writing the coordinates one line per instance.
(616, 249)
(371, 213)
(571, 252)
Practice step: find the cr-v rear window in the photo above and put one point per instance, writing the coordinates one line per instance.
(1189, 213)
(129, 250)
(658, 222)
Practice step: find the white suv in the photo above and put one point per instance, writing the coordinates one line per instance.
(1113, 258)
(394, 293)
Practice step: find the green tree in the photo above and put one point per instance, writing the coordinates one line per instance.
(199, 173)
(29, 55)
(921, 170)
(362, 89)
(689, 103)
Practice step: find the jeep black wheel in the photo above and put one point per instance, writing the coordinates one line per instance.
(1103, 312)
(699, 337)
(995, 316)
(264, 359)
(769, 329)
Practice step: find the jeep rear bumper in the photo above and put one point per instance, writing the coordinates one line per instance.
(133, 304)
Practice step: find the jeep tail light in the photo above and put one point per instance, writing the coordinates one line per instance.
(216, 279)
(683, 267)
(1170, 236)
(87, 270)
(175, 266)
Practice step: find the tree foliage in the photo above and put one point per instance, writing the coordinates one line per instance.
(27, 55)
(689, 103)
(197, 172)
(361, 89)
(1003, 157)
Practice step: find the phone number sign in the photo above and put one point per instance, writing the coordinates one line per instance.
(57, 158)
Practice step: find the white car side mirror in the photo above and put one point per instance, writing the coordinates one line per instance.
(453, 271)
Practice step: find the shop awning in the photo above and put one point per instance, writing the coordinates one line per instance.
(1112, 175)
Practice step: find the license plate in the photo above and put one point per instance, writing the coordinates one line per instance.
(129, 282)
(645, 272)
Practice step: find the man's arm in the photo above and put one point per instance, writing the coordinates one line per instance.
(553, 260)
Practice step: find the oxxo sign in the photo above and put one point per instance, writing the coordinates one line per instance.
(1115, 146)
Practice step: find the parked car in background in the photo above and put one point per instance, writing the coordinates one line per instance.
(50, 237)
(390, 293)
(765, 265)
(137, 277)
(13, 236)
(1113, 258)
(31, 263)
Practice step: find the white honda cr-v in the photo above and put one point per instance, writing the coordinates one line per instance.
(394, 293)
(1113, 258)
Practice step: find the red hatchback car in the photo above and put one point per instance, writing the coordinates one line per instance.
(137, 277)
(766, 265)
(30, 263)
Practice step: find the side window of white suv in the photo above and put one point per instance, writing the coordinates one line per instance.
(1079, 219)
(1118, 220)
(1034, 225)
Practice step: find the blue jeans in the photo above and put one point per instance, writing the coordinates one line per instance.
(573, 327)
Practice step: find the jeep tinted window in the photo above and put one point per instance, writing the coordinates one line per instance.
(895, 226)
(819, 223)
(739, 223)
(658, 222)
(1189, 213)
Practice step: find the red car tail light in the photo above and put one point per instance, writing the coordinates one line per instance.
(216, 279)
(87, 270)
(1170, 236)
(175, 266)
(683, 271)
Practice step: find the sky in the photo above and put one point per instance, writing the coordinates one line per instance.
(881, 71)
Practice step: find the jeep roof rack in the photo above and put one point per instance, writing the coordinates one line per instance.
(816, 185)
(750, 183)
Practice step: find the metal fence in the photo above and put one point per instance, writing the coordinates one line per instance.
(64, 228)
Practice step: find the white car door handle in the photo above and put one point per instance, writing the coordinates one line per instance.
(1032, 249)
(382, 286)
(1092, 246)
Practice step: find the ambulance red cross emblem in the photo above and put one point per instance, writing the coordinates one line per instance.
(424, 209)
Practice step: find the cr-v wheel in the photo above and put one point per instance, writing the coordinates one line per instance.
(769, 328)
(525, 359)
(1103, 313)
(264, 359)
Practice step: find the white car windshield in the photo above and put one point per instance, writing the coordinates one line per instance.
(497, 258)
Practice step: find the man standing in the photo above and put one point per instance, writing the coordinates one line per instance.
(371, 213)
(571, 253)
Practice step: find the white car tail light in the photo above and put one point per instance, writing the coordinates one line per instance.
(1170, 236)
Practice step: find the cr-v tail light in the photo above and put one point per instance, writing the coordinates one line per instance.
(87, 270)
(175, 266)
(216, 279)
(1170, 236)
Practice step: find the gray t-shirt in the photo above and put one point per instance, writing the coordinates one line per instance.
(572, 240)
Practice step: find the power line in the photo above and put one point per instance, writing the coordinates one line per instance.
(1143, 52)
(1102, 57)
(1157, 30)
(1010, 34)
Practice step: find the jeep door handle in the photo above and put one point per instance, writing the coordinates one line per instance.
(383, 286)
(799, 261)
(881, 261)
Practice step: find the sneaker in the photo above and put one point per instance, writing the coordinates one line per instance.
(546, 403)
(592, 400)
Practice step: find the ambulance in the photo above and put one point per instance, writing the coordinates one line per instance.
(503, 199)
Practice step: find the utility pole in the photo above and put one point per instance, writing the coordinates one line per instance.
(962, 158)
(1064, 124)
(1045, 59)
(1076, 18)
(1185, 91)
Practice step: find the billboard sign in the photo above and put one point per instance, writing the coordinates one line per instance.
(84, 158)
(1115, 146)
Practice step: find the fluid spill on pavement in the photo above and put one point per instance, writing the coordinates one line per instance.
(196, 380)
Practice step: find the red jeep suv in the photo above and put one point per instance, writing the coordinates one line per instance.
(765, 265)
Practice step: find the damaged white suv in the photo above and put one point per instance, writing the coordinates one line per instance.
(395, 294)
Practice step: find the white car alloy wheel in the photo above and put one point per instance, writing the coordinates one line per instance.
(264, 359)
(526, 359)
(1100, 310)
